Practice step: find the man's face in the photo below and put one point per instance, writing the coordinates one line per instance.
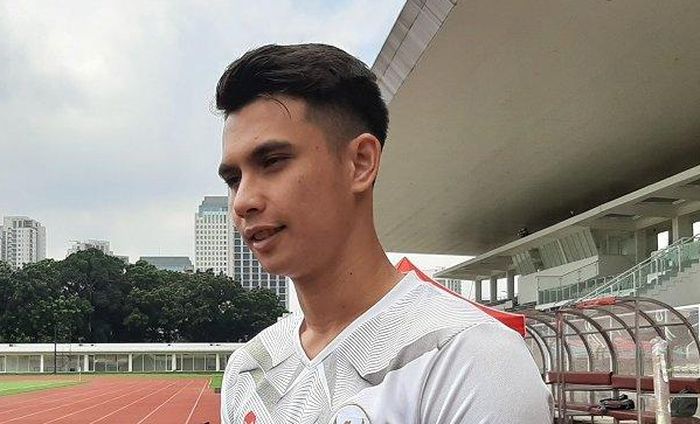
(290, 191)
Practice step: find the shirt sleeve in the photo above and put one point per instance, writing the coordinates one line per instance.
(485, 375)
(227, 382)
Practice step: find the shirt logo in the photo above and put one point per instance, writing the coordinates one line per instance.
(250, 418)
(351, 414)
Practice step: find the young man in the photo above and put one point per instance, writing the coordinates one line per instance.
(303, 134)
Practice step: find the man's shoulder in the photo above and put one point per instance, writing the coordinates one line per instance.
(422, 320)
(429, 307)
(267, 349)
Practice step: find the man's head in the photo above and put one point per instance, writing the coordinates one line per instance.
(340, 91)
(303, 133)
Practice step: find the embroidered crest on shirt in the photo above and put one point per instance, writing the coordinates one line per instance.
(250, 418)
(351, 414)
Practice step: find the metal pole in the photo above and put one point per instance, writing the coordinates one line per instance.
(637, 361)
(561, 386)
(55, 336)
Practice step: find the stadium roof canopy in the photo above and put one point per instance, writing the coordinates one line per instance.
(651, 205)
(511, 115)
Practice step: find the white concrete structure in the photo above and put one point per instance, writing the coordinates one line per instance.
(80, 245)
(589, 249)
(211, 235)
(115, 357)
(23, 241)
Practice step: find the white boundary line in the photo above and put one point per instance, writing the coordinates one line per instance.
(129, 404)
(42, 399)
(161, 405)
(189, 417)
(71, 403)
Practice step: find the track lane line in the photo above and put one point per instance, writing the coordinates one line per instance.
(80, 394)
(161, 405)
(107, 401)
(62, 406)
(127, 405)
(73, 392)
(189, 417)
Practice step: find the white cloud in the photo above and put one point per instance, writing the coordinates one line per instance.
(105, 106)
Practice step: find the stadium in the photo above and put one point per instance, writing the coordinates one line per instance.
(558, 143)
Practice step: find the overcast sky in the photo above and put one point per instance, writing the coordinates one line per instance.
(106, 107)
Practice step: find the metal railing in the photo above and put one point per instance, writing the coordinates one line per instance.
(655, 271)
(569, 291)
(564, 284)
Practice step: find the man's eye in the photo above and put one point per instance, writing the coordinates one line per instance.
(273, 160)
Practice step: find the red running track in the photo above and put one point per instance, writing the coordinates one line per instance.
(113, 399)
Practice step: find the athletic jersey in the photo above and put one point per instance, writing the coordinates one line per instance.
(419, 355)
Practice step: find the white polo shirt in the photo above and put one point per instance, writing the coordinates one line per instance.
(419, 355)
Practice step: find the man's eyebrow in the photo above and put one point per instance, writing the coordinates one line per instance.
(270, 146)
(257, 154)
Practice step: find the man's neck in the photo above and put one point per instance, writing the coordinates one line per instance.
(332, 300)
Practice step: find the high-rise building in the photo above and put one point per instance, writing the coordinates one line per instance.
(23, 241)
(211, 235)
(78, 245)
(219, 247)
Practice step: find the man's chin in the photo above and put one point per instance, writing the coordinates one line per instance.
(272, 267)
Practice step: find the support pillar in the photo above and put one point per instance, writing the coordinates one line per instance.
(173, 363)
(218, 362)
(641, 245)
(681, 226)
(510, 275)
(131, 362)
(41, 363)
(493, 288)
(477, 291)
(86, 363)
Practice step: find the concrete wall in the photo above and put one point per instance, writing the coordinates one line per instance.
(527, 289)
(612, 265)
(571, 273)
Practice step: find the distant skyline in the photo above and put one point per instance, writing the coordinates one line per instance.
(107, 112)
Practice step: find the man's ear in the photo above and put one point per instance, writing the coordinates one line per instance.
(365, 151)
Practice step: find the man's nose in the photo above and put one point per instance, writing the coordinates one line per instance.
(247, 199)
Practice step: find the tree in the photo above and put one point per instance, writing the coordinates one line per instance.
(92, 297)
(37, 308)
(99, 279)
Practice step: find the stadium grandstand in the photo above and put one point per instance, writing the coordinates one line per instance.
(558, 154)
(114, 357)
(558, 144)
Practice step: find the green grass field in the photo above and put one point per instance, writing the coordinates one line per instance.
(18, 383)
(16, 387)
(215, 382)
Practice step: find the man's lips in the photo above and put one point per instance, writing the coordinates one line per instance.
(260, 233)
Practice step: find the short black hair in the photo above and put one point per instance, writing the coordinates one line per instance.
(340, 90)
